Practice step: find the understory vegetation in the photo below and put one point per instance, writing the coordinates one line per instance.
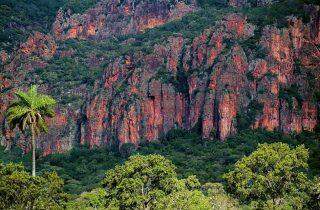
(211, 164)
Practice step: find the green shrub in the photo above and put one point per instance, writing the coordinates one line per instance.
(273, 176)
(20, 190)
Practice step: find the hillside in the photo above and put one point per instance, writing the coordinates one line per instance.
(129, 72)
(159, 104)
(19, 18)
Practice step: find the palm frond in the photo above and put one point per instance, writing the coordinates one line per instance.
(43, 101)
(19, 122)
(13, 123)
(42, 125)
(16, 112)
(29, 109)
(47, 112)
(16, 103)
(25, 122)
(33, 91)
(21, 125)
(24, 98)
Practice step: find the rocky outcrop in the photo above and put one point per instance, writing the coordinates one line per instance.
(38, 49)
(39, 45)
(114, 18)
(213, 82)
(250, 3)
(222, 83)
(31, 54)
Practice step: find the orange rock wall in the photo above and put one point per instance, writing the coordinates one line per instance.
(208, 80)
(113, 18)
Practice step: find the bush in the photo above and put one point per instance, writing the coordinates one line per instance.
(314, 202)
(140, 182)
(89, 200)
(273, 176)
(19, 190)
(218, 196)
(185, 199)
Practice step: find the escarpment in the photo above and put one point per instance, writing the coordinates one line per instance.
(114, 18)
(233, 75)
(211, 81)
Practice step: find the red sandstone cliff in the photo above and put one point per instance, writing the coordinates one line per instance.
(218, 85)
(114, 18)
(209, 80)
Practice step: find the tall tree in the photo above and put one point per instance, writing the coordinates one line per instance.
(140, 182)
(272, 177)
(28, 112)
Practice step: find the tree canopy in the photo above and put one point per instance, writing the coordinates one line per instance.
(30, 108)
(140, 181)
(20, 190)
(272, 176)
(29, 111)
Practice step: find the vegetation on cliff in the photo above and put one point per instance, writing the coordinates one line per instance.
(19, 18)
(205, 88)
(82, 73)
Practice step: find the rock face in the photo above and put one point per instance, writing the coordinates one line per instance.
(34, 53)
(220, 82)
(31, 54)
(252, 3)
(213, 82)
(114, 18)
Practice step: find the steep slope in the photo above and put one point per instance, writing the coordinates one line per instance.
(19, 18)
(115, 18)
(215, 70)
(45, 56)
(211, 81)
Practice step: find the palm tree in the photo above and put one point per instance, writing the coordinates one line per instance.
(28, 111)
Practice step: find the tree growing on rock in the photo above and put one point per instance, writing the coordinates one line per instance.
(28, 112)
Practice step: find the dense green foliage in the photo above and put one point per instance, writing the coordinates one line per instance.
(150, 182)
(82, 168)
(314, 202)
(20, 190)
(88, 200)
(272, 176)
(140, 182)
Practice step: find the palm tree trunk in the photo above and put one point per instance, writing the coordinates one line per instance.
(33, 151)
